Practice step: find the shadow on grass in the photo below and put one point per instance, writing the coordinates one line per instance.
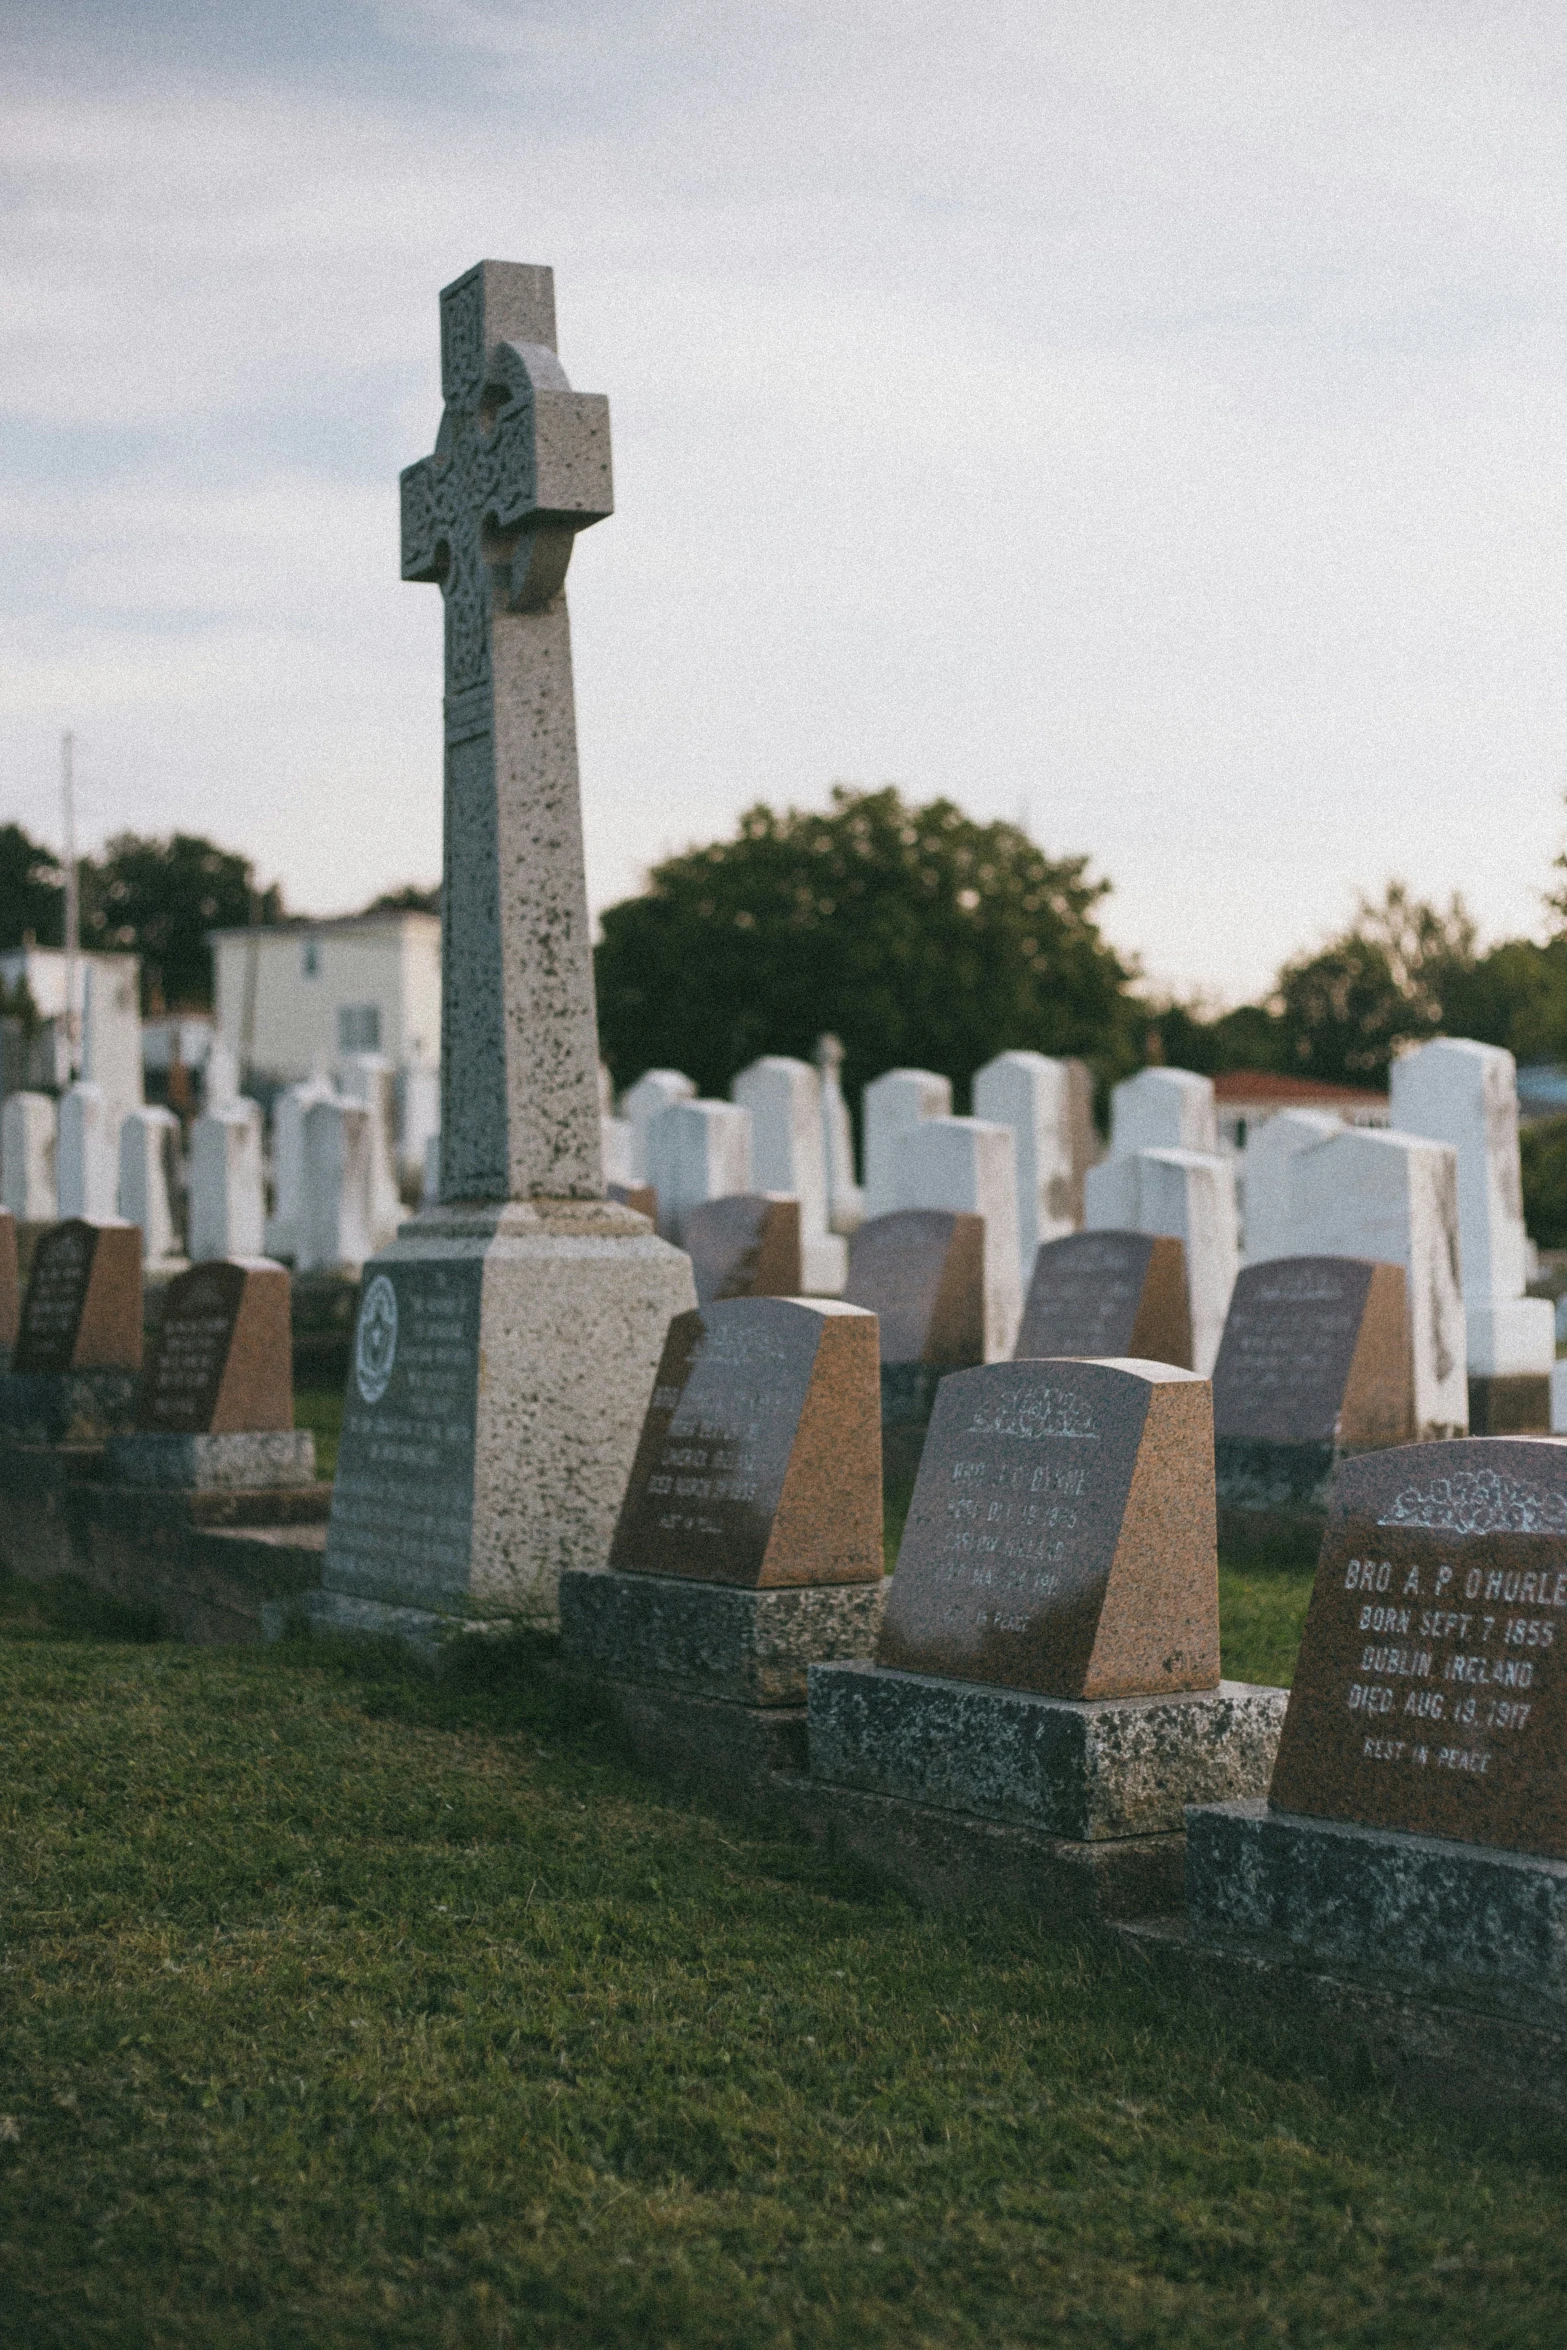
(66, 1608)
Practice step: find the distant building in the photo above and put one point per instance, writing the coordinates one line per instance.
(103, 1040)
(1542, 1091)
(1245, 1098)
(294, 997)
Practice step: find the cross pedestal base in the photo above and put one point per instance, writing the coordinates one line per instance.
(502, 1363)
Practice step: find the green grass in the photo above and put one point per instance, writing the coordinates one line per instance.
(342, 2007)
(320, 1409)
(1262, 1613)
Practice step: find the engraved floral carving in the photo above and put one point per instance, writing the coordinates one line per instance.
(1478, 1501)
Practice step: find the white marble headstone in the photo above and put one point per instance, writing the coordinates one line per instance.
(782, 1098)
(149, 1179)
(28, 1126)
(1265, 1175)
(697, 1150)
(88, 1154)
(1394, 1197)
(970, 1164)
(649, 1098)
(845, 1199)
(893, 1104)
(1034, 1096)
(227, 1192)
(1163, 1109)
(1187, 1196)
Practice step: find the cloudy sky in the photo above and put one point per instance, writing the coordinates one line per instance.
(1144, 420)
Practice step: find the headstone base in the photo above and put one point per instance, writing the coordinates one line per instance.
(503, 1360)
(37, 1485)
(1092, 1770)
(1462, 1923)
(709, 1679)
(949, 1860)
(423, 1631)
(207, 1560)
(1389, 2032)
(715, 1640)
(66, 1407)
(212, 1464)
(1515, 1405)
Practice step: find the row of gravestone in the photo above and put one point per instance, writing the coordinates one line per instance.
(334, 1166)
(1438, 1193)
(1033, 1703)
(176, 1483)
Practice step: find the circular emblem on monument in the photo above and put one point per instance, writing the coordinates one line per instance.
(375, 1349)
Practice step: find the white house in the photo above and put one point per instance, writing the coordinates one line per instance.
(294, 997)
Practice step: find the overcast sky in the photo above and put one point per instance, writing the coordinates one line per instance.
(1145, 420)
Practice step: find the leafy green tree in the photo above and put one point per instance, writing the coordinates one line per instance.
(410, 899)
(32, 894)
(1382, 983)
(159, 899)
(1542, 1147)
(917, 935)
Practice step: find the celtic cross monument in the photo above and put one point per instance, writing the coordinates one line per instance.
(507, 1340)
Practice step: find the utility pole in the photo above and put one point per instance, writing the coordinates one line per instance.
(73, 909)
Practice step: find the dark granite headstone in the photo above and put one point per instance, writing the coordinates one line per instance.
(83, 1307)
(1315, 1364)
(921, 1272)
(10, 1286)
(1431, 1689)
(1061, 1536)
(1108, 1293)
(760, 1456)
(221, 1361)
(746, 1244)
(402, 1501)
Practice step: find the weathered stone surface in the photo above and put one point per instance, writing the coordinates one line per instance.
(1271, 1146)
(1456, 1091)
(466, 1496)
(946, 1861)
(738, 1749)
(783, 1099)
(1397, 2035)
(921, 1272)
(1458, 1921)
(1061, 1536)
(1109, 1293)
(1431, 1689)
(202, 1582)
(83, 1307)
(222, 1362)
(1111, 1767)
(744, 1245)
(760, 1459)
(744, 1647)
(212, 1463)
(641, 1198)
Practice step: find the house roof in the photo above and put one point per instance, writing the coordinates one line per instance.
(1293, 1093)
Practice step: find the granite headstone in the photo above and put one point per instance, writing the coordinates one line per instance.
(221, 1361)
(759, 1463)
(1431, 1690)
(921, 1271)
(1314, 1365)
(82, 1310)
(746, 1244)
(1109, 1293)
(1062, 1533)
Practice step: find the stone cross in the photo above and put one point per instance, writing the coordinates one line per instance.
(521, 464)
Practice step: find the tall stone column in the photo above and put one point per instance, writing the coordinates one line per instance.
(507, 1341)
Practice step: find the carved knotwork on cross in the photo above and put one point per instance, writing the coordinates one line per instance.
(521, 464)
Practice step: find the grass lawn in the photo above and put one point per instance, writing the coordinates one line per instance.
(346, 2007)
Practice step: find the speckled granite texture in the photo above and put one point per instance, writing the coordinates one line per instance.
(212, 1463)
(746, 1647)
(1457, 1921)
(66, 1407)
(1091, 1770)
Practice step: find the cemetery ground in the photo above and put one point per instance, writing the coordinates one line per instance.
(344, 2005)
